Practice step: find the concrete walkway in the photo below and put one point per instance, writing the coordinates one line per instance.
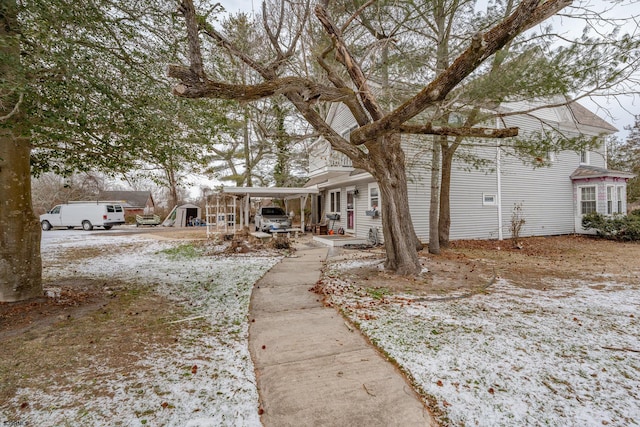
(312, 370)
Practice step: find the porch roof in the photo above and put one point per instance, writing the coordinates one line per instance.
(274, 192)
(586, 172)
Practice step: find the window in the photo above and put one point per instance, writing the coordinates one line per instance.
(584, 157)
(610, 190)
(334, 201)
(587, 200)
(55, 210)
(110, 208)
(620, 198)
(489, 199)
(374, 197)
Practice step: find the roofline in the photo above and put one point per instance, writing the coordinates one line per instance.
(281, 192)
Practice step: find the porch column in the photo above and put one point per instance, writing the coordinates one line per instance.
(303, 203)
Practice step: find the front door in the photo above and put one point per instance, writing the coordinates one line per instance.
(351, 211)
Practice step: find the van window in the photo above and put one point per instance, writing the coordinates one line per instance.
(55, 210)
(110, 208)
(118, 208)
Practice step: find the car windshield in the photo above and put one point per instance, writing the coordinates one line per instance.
(272, 211)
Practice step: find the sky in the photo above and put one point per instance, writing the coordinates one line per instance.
(618, 111)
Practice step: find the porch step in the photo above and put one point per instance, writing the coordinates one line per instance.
(339, 240)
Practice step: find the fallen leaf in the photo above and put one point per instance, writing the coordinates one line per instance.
(491, 391)
(439, 383)
(164, 404)
(194, 369)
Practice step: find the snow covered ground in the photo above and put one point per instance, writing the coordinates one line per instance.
(564, 356)
(213, 289)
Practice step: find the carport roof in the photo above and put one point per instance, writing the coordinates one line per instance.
(274, 192)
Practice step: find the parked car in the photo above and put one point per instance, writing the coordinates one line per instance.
(86, 215)
(271, 219)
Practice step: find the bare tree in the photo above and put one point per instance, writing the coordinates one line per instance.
(376, 145)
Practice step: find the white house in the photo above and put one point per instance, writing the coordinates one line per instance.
(551, 199)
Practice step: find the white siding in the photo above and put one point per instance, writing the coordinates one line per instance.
(545, 194)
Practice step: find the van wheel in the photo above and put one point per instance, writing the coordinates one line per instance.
(87, 226)
(107, 227)
(46, 226)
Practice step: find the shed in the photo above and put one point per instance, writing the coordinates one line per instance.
(183, 216)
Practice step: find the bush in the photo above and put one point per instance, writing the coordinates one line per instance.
(617, 227)
(635, 213)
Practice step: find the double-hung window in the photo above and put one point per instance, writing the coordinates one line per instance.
(587, 200)
(334, 201)
(374, 197)
(620, 198)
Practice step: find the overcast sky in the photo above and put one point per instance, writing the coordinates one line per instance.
(617, 111)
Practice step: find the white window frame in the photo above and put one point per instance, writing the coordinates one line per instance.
(582, 201)
(370, 199)
(620, 199)
(585, 157)
(489, 199)
(611, 199)
(334, 201)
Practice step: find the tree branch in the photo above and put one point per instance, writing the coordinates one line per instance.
(195, 55)
(191, 87)
(14, 110)
(359, 113)
(355, 72)
(475, 132)
(528, 14)
(339, 143)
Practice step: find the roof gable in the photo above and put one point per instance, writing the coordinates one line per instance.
(132, 198)
(586, 117)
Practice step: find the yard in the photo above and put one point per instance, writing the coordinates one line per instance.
(495, 336)
(136, 330)
(151, 329)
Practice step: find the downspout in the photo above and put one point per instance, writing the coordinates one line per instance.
(499, 195)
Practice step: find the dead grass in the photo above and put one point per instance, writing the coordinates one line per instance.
(89, 325)
(469, 265)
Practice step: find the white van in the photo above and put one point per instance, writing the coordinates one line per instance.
(86, 215)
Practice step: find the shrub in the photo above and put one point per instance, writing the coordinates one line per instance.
(617, 227)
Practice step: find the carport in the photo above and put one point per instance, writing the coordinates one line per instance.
(238, 214)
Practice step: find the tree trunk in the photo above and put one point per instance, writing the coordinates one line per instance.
(400, 240)
(20, 262)
(434, 239)
(281, 168)
(445, 197)
(173, 187)
(247, 176)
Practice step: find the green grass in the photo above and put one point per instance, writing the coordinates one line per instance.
(378, 293)
(187, 251)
